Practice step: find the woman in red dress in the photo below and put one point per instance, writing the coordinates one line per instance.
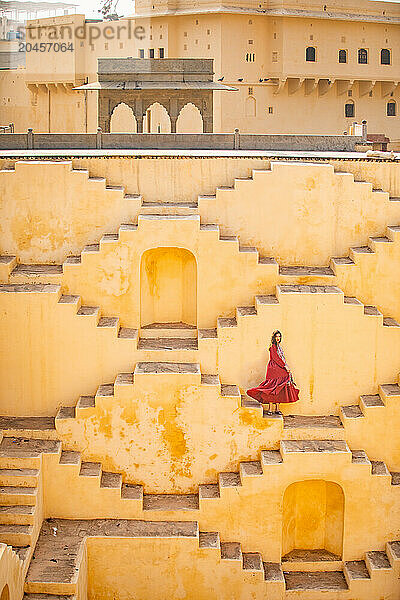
(278, 385)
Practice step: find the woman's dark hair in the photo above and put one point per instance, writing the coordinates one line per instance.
(273, 338)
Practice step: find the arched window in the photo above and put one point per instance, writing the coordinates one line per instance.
(362, 56)
(310, 54)
(391, 108)
(385, 56)
(349, 109)
(343, 56)
(250, 107)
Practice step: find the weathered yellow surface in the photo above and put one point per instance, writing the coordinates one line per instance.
(49, 211)
(11, 574)
(303, 217)
(137, 439)
(254, 496)
(169, 432)
(81, 354)
(227, 577)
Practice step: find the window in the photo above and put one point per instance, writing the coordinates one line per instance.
(391, 108)
(208, 31)
(250, 42)
(349, 109)
(274, 35)
(349, 93)
(208, 46)
(250, 57)
(385, 56)
(161, 53)
(250, 22)
(151, 52)
(310, 54)
(270, 110)
(185, 46)
(185, 34)
(343, 56)
(197, 21)
(141, 53)
(274, 57)
(362, 56)
(250, 90)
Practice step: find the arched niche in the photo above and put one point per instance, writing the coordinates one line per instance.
(156, 119)
(168, 286)
(123, 120)
(313, 514)
(5, 593)
(250, 106)
(189, 120)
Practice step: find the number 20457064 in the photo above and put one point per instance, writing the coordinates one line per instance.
(46, 47)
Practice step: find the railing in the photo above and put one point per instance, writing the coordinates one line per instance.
(7, 128)
(178, 141)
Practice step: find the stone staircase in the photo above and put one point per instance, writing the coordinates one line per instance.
(168, 336)
(21, 483)
(74, 303)
(25, 273)
(20, 462)
(388, 396)
(58, 563)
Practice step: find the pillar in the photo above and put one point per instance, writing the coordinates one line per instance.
(139, 123)
(207, 112)
(104, 113)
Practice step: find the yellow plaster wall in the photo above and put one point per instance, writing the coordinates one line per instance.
(166, 568)
(172, 433)
(365, 521)
(51, 355)
(301, 213)
(168, 286)
(195, 433)
(360, 353)
(168, 432)
(11, 574)
(49, 211)
(110, 277)
(82, 210)
(167, 180)
(374, 432)
(313, 514)
(72, 342)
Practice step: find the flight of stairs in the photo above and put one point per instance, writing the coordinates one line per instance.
(58, 562)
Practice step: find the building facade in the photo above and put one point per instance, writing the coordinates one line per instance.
(299, 68)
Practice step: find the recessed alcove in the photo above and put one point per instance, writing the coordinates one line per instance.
(313, 513)
(168, 286)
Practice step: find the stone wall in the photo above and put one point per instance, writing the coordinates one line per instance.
(180, 141)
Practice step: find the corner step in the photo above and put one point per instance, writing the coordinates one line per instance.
(318, 580)
(170, 502)
(167, 344)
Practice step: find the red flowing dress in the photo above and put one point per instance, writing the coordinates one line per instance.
(278, 386)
